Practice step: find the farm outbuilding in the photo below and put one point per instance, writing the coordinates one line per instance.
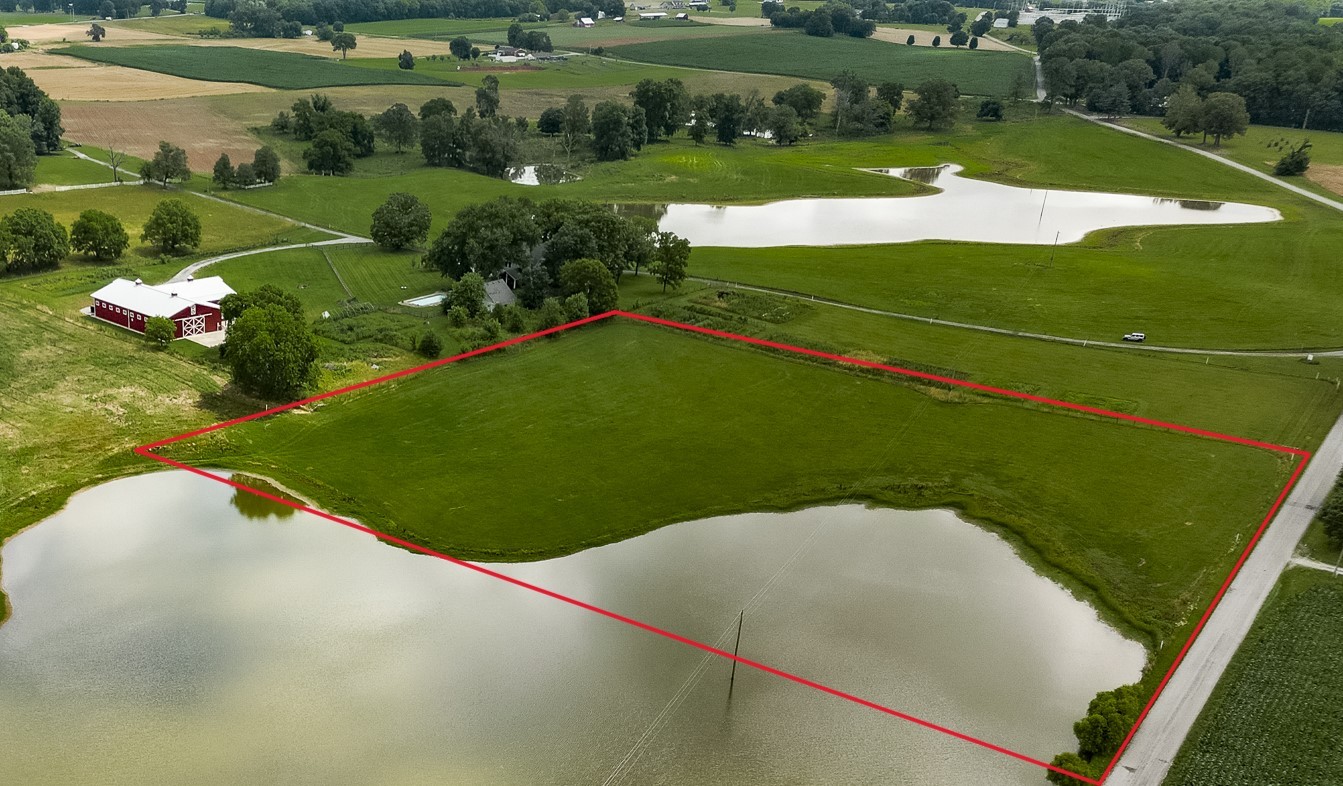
(192, 305)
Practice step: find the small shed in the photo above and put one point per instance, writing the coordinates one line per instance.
(584, 21)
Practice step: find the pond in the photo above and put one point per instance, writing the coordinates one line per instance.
(166, 629)
(541, 175)
(963, 209)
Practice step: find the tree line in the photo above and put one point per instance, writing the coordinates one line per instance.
(539, 239)
(29, 126)
(1287, 69)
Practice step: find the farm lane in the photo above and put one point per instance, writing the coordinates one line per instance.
(341, 238)
(1306, 562)
(1311, 195)
(1079, 342)
(1161, 735)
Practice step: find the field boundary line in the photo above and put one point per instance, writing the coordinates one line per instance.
(1301, 457)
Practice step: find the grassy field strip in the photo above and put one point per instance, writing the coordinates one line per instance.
(282, 70)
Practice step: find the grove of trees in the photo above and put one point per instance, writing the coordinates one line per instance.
(32, 240)
(1287, 69)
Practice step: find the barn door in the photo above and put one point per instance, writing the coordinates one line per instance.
(193, 326)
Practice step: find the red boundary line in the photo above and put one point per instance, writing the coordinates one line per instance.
(1304, 456)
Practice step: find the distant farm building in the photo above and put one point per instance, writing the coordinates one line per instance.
(584, 21)
(192, 305)
(652, 16)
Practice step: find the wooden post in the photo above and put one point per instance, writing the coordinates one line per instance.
(733, 679)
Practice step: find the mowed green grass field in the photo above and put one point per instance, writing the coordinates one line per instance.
(1276, 714)
(64, 169)
(372, 275)
(1275, 285)
(282, 70)
(793, 53)
(657, 426)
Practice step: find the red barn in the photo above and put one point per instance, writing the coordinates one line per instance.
(192, 305)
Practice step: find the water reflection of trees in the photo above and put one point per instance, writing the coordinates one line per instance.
(646, 210)
(928, 175)
(1188, 204)
(254, 507)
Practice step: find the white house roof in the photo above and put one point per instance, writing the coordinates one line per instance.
(164, 300)
(586, 20)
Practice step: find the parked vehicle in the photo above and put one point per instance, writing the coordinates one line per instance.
(1137, 337)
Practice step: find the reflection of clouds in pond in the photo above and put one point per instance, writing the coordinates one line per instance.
(963, 209)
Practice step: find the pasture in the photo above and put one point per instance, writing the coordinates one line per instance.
(64, 169)
(1262, 146)
(1173, 283)
(792, 53)
(1274, 716)
(283, 70)
(716, 410)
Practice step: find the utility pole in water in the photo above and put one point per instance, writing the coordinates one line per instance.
(733, 679)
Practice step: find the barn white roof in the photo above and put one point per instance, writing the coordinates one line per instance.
(163, 300)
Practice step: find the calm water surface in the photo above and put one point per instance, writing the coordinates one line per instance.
(963, 209)
(165, 631)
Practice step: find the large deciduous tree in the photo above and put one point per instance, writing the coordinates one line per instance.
(330, 154)
(671, 257)
(272, 353)
(937, 104)
(666, 106)
(805, 100)
(31, 240)
(343, 42)
(1224, 115)
(398, 126)
(172, 226)
(612, 137)
(168, 164)
(99, 235)
(18, 159)
(400, 222)
(591, 278)
(485, 238)
(266, 165)
(576, 124)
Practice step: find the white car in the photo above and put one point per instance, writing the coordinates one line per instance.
(1138, 337)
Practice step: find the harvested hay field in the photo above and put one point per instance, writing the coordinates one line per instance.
(73, 32)
(369, 46)
(36, 59)
(137, 126)
(899, 35)
(95, 82)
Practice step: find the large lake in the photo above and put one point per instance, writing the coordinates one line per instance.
(963, 209)
(165, 630)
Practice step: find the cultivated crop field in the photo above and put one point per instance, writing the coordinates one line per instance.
(284, 70)
(1275, 716)
(792, 53)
